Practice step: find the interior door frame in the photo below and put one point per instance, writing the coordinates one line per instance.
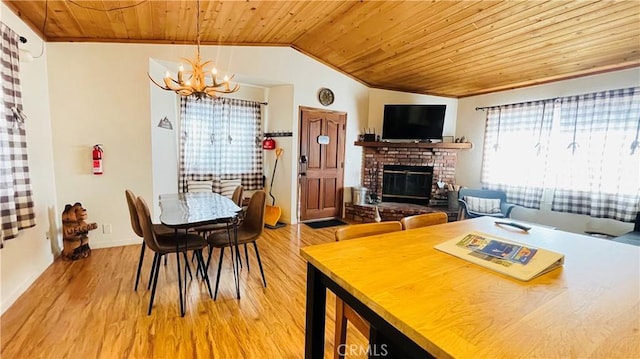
(298, 185)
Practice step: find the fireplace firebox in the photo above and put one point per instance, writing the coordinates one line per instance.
(407, 184)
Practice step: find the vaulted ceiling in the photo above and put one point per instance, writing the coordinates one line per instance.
(448, 48)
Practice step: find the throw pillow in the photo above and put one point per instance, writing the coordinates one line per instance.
(482, 205)
(199, 186)
(228, 186)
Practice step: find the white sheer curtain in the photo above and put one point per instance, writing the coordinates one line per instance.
(220, 139)
(596, 164)
(516, 150)
(584, 149)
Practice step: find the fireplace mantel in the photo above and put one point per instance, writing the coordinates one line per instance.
(443, 145)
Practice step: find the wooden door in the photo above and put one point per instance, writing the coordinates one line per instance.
(321, 173)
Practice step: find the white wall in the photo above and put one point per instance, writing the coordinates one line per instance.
(471, 124)
(379, 98)
(281, 116)
(24, 258)
(164, 142)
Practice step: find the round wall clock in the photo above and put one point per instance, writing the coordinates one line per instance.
(325, 96)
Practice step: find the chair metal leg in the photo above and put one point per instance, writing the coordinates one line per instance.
(135, 287)
(215, 295)
(206, 267)
(187, 266)
(154, 272)
(180, 283)
(156, 258)
(246, 256)
(205, 275)
(264, 280)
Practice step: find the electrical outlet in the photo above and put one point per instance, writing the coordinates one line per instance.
(106, 228)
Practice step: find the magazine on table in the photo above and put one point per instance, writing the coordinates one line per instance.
(508, 251)
(518, 260)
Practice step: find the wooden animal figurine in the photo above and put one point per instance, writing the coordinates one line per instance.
(75, 232)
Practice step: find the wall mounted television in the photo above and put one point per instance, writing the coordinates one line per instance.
(413, 122)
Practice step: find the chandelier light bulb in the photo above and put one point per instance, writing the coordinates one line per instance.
(197, 83)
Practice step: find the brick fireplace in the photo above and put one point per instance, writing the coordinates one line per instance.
(443, 162)
(440, 158)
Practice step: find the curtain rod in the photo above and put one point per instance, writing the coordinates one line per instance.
(517, 103)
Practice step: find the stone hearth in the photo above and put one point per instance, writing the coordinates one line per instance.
(392, 211)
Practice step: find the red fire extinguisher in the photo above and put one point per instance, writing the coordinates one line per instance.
(97, 160)
(269, 143)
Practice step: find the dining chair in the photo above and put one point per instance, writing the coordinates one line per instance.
(249, 231)
(344, 312)
(366, 229)
(228, 187)
(163, 245)
(424, 220)
(199, 186)
(158, 229)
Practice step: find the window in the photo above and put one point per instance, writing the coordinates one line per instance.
(516, 149)
(16, 205)
(220, 139)
(583, 148)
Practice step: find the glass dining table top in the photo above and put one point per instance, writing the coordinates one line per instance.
(190, 209)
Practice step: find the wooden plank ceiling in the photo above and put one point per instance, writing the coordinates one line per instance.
(449, 48)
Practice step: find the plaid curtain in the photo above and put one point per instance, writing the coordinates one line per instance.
(220, 139)
(516, 147)
(597, 159)
(16, 204)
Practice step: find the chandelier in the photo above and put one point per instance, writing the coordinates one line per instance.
(195, 82)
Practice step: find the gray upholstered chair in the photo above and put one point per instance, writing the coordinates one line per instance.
(481, 202)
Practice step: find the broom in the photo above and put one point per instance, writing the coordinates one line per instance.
(272, 213)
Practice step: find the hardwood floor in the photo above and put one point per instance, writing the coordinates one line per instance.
(88, 308)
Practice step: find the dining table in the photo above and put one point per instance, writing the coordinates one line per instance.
(422, 302)
(183, 211)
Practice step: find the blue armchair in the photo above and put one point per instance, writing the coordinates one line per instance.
(479, 202)
(632, 237)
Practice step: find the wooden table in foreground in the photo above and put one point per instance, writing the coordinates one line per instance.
(426, 301)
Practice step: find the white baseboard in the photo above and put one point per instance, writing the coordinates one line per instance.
(9, 300)
(115, 243)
